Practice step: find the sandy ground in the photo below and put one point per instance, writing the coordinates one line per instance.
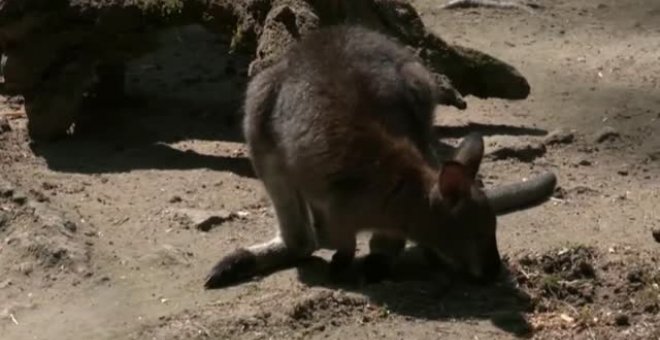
(95, 244)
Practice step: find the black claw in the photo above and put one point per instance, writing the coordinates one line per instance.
(376, 267)
(232, 268)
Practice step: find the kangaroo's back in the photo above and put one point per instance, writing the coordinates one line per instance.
(334, 81)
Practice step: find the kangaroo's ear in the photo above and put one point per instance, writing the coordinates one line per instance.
(455, 182)
(470, 153)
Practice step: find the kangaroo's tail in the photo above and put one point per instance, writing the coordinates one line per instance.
(245, 263)
(522, 195)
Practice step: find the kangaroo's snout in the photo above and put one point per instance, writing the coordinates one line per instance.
(486, 267)
(488, 273)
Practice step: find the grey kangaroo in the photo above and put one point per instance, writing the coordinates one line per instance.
(339, 132)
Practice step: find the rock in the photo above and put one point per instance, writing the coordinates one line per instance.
(523, 152)
(607, 133)
(4, 125)
(656, 234)
(635, 276)
(19, 198)
(559, 136)
(176, 199)
(584, 162)
(204, 220)
(560, 193)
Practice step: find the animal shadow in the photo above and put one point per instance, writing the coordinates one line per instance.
(486, 130)
(140, 138)
(416, 289)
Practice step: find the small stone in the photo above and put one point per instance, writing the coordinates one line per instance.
(242, 214)
(205, 220)
(607, 133)
(656, 234)
(559, 136)
(19, 198)
(584, 162)
(622, 172)
(635, 276)
(70, 226)
(525, 152)
(176, 199)
(25, 268)
(622, 319)
(560, 193)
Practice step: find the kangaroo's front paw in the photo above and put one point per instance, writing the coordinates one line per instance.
(232, 268)
(341, 261)
(340, 268)
(376, 267)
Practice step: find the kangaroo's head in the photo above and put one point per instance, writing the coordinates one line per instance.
(466, 234)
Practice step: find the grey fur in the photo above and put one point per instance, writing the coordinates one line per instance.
(339, 131)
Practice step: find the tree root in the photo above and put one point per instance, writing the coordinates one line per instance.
(503, 4)
(59, 49)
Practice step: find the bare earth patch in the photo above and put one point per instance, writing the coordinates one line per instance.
(100, 234)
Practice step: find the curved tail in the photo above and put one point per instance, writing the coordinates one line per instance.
(521, 195)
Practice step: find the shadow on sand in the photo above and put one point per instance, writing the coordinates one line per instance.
(419, 290)
(139, 139)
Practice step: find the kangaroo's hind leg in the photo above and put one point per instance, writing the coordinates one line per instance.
(293, 242)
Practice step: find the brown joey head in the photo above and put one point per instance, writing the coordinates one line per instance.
(466, 238)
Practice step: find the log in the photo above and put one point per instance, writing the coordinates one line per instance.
(57, 50)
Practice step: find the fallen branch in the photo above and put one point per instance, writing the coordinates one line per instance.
(504, 4)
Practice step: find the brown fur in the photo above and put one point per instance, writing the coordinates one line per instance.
(339, 131)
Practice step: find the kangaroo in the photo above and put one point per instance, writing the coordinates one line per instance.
(339, 132)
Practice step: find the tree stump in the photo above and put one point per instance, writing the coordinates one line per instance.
(60, 52)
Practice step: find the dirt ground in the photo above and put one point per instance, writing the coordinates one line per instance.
(96, 238)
